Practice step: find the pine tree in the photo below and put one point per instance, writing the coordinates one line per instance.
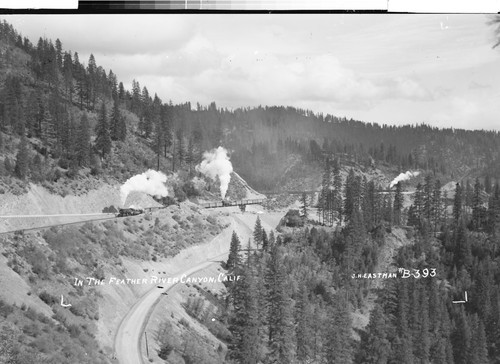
(469, 195)
(7, 165)
(82, 147)
(462, 339)
(234, 253)
(457, 202)
(304, 206)
(68, 75)
(59, 56)
(190, 155)
(103, 140)
(257, 232)
(21, 168)
(265, 241)
(403, 346)
(91, 83)
(114, 129)
(418, 202)
(272, 240)
(427, 197)
(350, 191)
(337, 187)
(326, 186)
(338, 347)
(463, 253)
(376, 347)
(238, 318)
(477, 206)
(303, 313)
(437, 209)
(398, 204)
(251, 340)
(479, 349)
(181, 148)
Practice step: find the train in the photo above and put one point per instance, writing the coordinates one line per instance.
(129, 212)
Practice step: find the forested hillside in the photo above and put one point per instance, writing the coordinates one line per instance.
(62, 117)
(299, 287)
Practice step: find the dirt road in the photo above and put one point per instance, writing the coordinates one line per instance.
(131, 329)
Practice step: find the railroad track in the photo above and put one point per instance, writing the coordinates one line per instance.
(110, 216)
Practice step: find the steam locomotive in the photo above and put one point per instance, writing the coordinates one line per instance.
(129, 212)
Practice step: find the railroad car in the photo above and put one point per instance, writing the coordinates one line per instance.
(129, 212)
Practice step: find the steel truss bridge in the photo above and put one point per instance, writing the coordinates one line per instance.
(240, 203)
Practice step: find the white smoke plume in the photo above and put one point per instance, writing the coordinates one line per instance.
(403, 177)
(150, 182)
(216, 163)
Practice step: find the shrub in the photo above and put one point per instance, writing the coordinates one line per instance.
(5, 309)
(63, 163)
(47, 298)
(110, 209)
(166, 339)
(74, 331)
(32, 329)
(165, 351)
(180, 194)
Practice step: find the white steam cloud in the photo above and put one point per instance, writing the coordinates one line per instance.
(216, 163)
(150, 182)
(403, 177)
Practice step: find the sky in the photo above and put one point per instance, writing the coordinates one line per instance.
(390, 69)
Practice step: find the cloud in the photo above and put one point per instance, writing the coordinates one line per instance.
(269, 79)
(111, 35)
(468, 113)
(473, 85)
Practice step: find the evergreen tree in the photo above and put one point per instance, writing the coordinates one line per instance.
(82, 147)
(469, 195)
(251, 340)
(427, 197)
(304, 206)
(115, 132)
(437, 208)
(7, 165)
(68, 75)
(59, 55)
(238, 318)
(338, 347)
(350, 197)
(398, 204)
(462, 339)
(21, 168)
(281, 339)
(234, 253)
(325, 201)
(265, 240)
(91, 83)
(376, 348)
(103, 140)
(257, 232)
(303, 313)
(457, 202)
(418, 202)
(479, 350)
(477, 206)
(463, 253)
(337, 187)
(181, 148)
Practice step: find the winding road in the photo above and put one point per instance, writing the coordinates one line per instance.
(131, 330)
